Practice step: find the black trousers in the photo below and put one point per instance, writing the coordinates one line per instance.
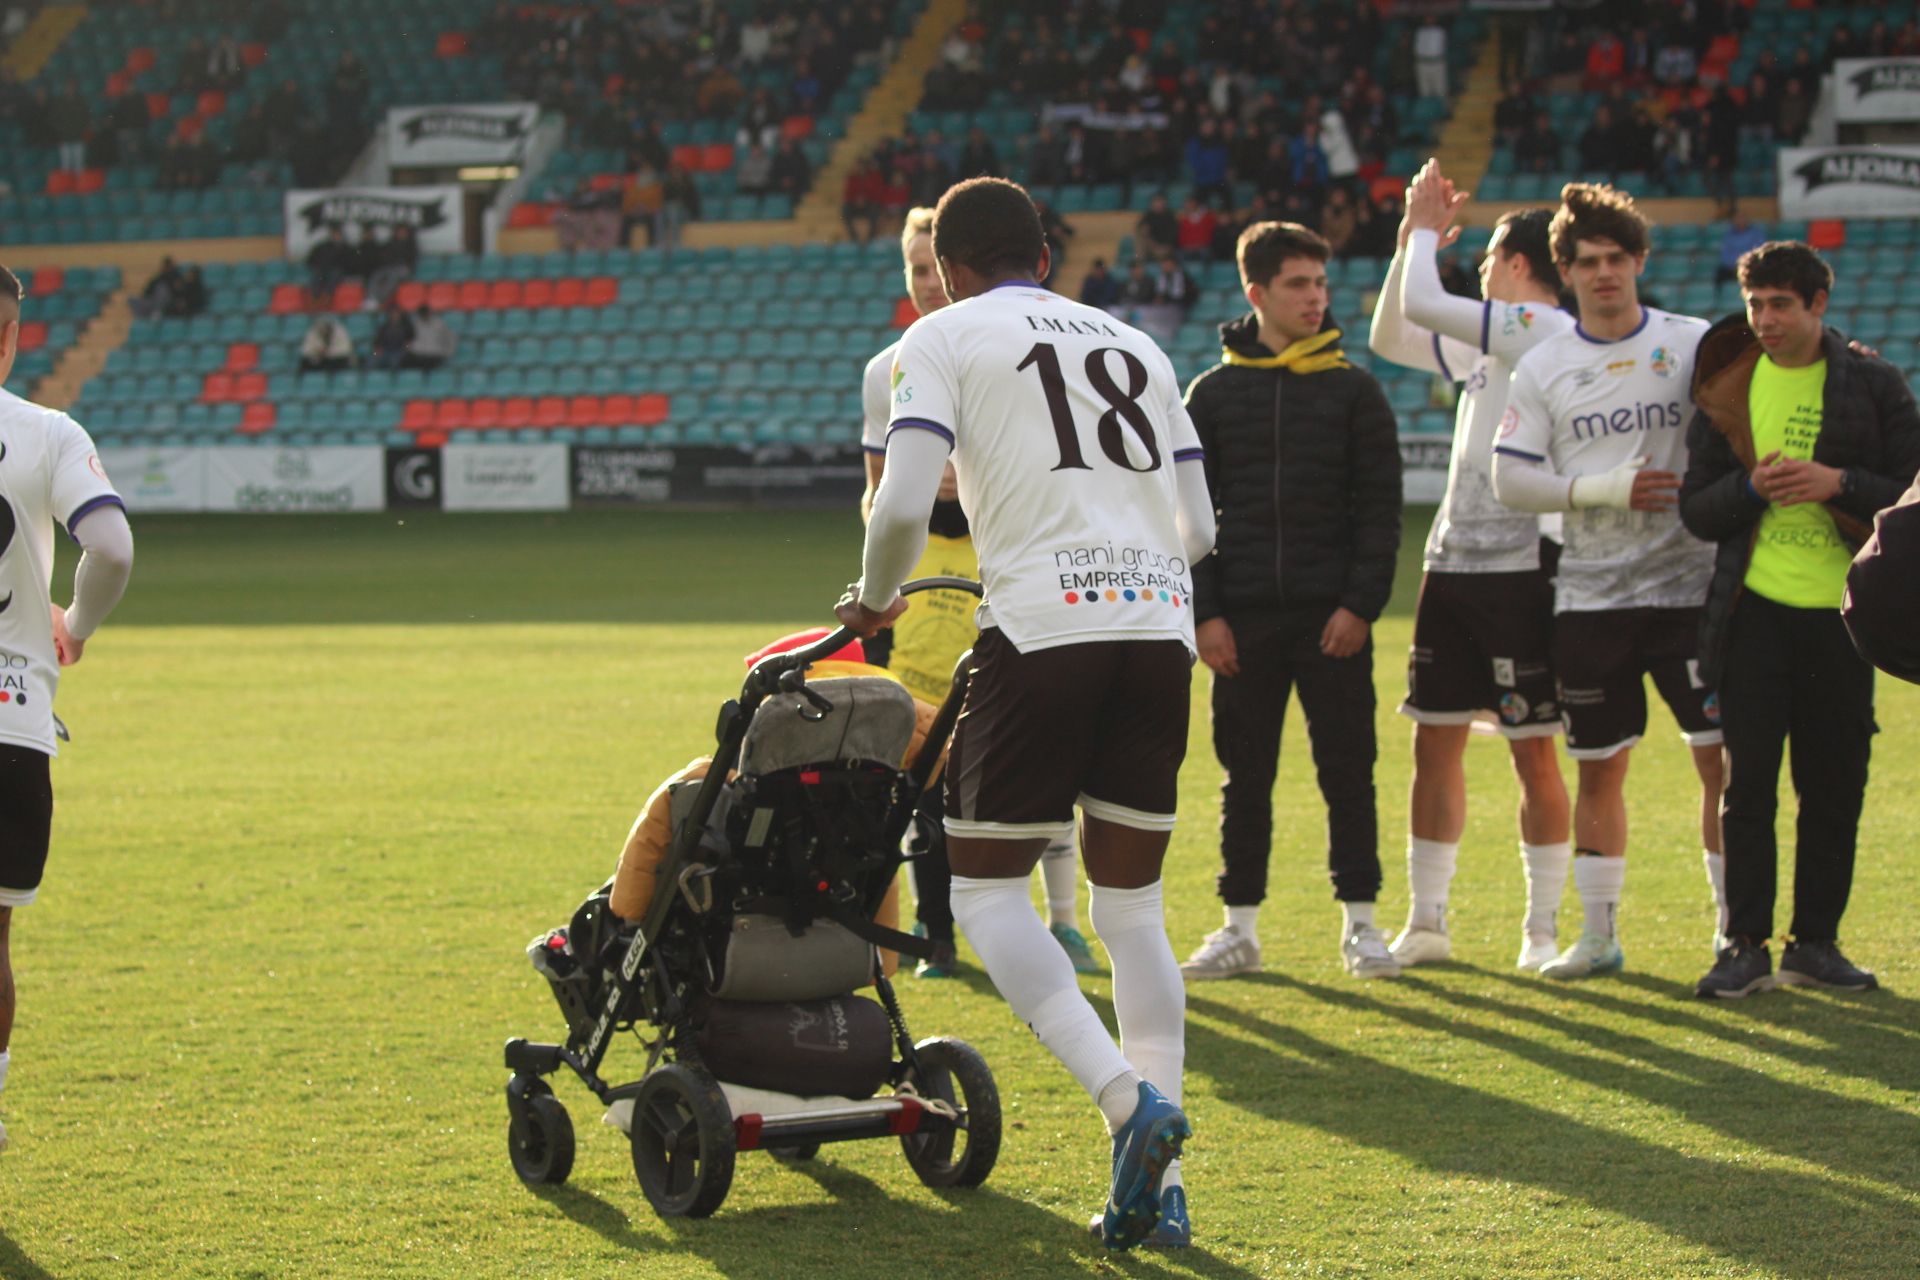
(1793, 675)
(1278, 655)
(932, 876)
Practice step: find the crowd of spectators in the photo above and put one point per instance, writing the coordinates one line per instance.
(381, 264)
(417, 339)
(174, 291)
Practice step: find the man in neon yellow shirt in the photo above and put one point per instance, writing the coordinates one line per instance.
(1799, 441)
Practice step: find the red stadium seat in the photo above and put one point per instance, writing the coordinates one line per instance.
(430, 439)
(47, 280)
(243, 357)
(260, 416)
(418, 416)
(217, 388)
(517, 412)
(538, 293)
(349, 297)
(904, 313)
(716, 157)
(503, 294)
(602, 291)
(410, 295)
(570, 292)
(530, 214)
(253, 53)
(33, 335)
(606, 182)
(450, 415)
(88, 181)
(210, 103)
(287, 298)
(442, 295)
(141, 59)
(118, 83)
(651, 409)
(451, 44)
(583, 411)
(60, 182)
(473, 295)
(550, 411)
(687, 156)
(797, 127)
(250, 386)
(158, 104)
(1827, 233)
(484, 413)
(617, 410)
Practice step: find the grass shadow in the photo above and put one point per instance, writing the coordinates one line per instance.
(1734, 1209)
(16, 1265)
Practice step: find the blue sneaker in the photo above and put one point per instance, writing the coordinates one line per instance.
(1074, 943)
(1145, 1145)
(1173, 1231)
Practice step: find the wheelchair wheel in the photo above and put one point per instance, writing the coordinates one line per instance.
(952, 1071)
(683, 1141)
(539, 1133)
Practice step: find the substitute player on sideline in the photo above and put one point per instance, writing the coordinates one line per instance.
(923, 649)
(1081, 473)
(1596, 427)
(1483, 629)
(48, 469)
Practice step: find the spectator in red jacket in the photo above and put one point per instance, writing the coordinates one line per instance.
(1197, 224)
(1606, 60)
(860, 200)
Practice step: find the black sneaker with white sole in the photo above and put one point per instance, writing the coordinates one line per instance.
(1740, 970)
(1820, 964)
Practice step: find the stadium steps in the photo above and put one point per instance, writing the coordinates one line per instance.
(99, 338)
(1095, 235)
(1465, 148)
(883, 116)
(43, 38)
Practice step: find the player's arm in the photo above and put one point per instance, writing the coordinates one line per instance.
(1392, 336)
(1460, 327)
(873, 428)
(1524, 477)
(100, 579)
(1192, 492)
(897, 526)
(1211, 632)
(1717, 497)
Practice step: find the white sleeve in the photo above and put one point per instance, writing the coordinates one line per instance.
(897, 530)
(1458, 325)
(926, 384)
(106, 562)
(1193, 511)
(1530, 486)
(1523, 474)
(873, 404)
(76, 482)
(1391, 336)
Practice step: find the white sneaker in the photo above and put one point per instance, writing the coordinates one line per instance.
(1224, 953)
(1366, 955)
(1592, 954)
(3, 1137)
(1536, 949)
(1421, 946)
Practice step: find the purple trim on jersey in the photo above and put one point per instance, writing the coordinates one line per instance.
(1189, 455)
(1440, 358)
(1646, 318)
(1015, 284)
(871, 449)
(922, 424)
(90, 506)
(1486, 327)
(1512, 452)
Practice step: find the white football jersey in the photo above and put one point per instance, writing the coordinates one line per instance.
(1066, 425)
(48, 471)
(1474, 532)
(1582, 407)
(876, 400)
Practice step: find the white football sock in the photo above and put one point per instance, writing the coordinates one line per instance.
(1036, 978)
(1429, 871)
(1599, 881)
(1061, 871)
(1717, 877)
(1149, 996)
(1356, 915)
(1244, 921)
(1546, 867)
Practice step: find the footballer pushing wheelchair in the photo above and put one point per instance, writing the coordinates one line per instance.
(754, 897)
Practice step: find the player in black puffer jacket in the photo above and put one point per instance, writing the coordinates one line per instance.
(1303, 457)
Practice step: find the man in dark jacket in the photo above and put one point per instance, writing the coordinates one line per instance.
(1303, 457)
(1798, 442)
(1882, 609)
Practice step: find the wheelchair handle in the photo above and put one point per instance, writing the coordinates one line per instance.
(765, 676)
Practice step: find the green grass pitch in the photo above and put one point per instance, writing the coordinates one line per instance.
(330, 775)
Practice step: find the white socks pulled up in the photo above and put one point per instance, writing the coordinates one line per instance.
(1599, 881)
(1546, 868)
(1430, 865)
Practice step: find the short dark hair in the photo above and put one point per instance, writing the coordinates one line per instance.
(1596, 211)
(1786, 264)
(989, 226)
(1265, 245)
(1527, 236)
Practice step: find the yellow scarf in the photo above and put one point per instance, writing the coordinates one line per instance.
(1309, 355)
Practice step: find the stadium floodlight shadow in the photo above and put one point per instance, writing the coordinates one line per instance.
(1854, 1136)
(16, 1265)
(1780, 1220)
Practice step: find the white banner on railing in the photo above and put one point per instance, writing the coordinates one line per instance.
(461, 133)
(1866, 90)
(1849, 182)
(326, 478)
(158, 479)
(504, 477)
(434, 213)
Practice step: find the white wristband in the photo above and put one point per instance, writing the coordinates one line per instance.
(1608, 489)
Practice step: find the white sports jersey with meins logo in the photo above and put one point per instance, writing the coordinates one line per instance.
(1582, 407)
(1066, 425)
(48, 471)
